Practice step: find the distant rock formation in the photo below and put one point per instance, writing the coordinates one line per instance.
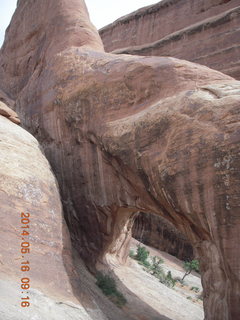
(126, 134)
(201, 31)
(159, 233)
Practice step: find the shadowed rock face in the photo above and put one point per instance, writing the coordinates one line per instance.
(157, 232)
(126, 134)
(29, 191)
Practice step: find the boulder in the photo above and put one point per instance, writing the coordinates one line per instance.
(8, 113)
(31, 218)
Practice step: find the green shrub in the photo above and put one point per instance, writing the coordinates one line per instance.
(170, 281)
(106, 283)
(108, 286)
(157, 271)
(195, 289)
(167, 280)
(160, 275)
(145, 264)
(118, 299)
(178, 279)
(190, 266)
(156, 265)
(154, 268)
(142, 254)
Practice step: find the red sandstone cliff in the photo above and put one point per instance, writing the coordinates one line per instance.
(203, 31)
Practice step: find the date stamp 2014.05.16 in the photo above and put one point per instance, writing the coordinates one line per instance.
(25, 264)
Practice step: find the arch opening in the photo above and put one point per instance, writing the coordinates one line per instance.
(153, 295)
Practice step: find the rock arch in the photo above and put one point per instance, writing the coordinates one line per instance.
(129, 133)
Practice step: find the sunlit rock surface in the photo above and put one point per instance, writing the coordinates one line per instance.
(201, 31)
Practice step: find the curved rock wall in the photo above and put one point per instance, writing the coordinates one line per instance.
(204, 32)
(28, 190)
(27, 185)
(126, 134)
(158, 233)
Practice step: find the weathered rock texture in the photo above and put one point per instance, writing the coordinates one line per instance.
(8, 113)
(159, 233)
(27, 185)
(126, 134)
(202, 31)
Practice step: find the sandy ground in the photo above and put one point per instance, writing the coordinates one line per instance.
(148, 299)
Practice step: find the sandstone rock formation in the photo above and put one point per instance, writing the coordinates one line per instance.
(27, 185)
(9, 113)
(126, 134)
(202, 31)
(157, 232)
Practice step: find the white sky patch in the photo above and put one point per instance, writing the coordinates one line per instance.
(102, 12)
(7, 8)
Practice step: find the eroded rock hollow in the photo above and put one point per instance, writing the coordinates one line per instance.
(125, 134)
(157, 232)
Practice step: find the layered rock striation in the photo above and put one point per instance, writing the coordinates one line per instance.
(126, 134)
(34, 239)
(204, 32)
(29, 191)
(159, 233)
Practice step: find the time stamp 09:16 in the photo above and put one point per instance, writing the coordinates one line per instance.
(25, 264)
